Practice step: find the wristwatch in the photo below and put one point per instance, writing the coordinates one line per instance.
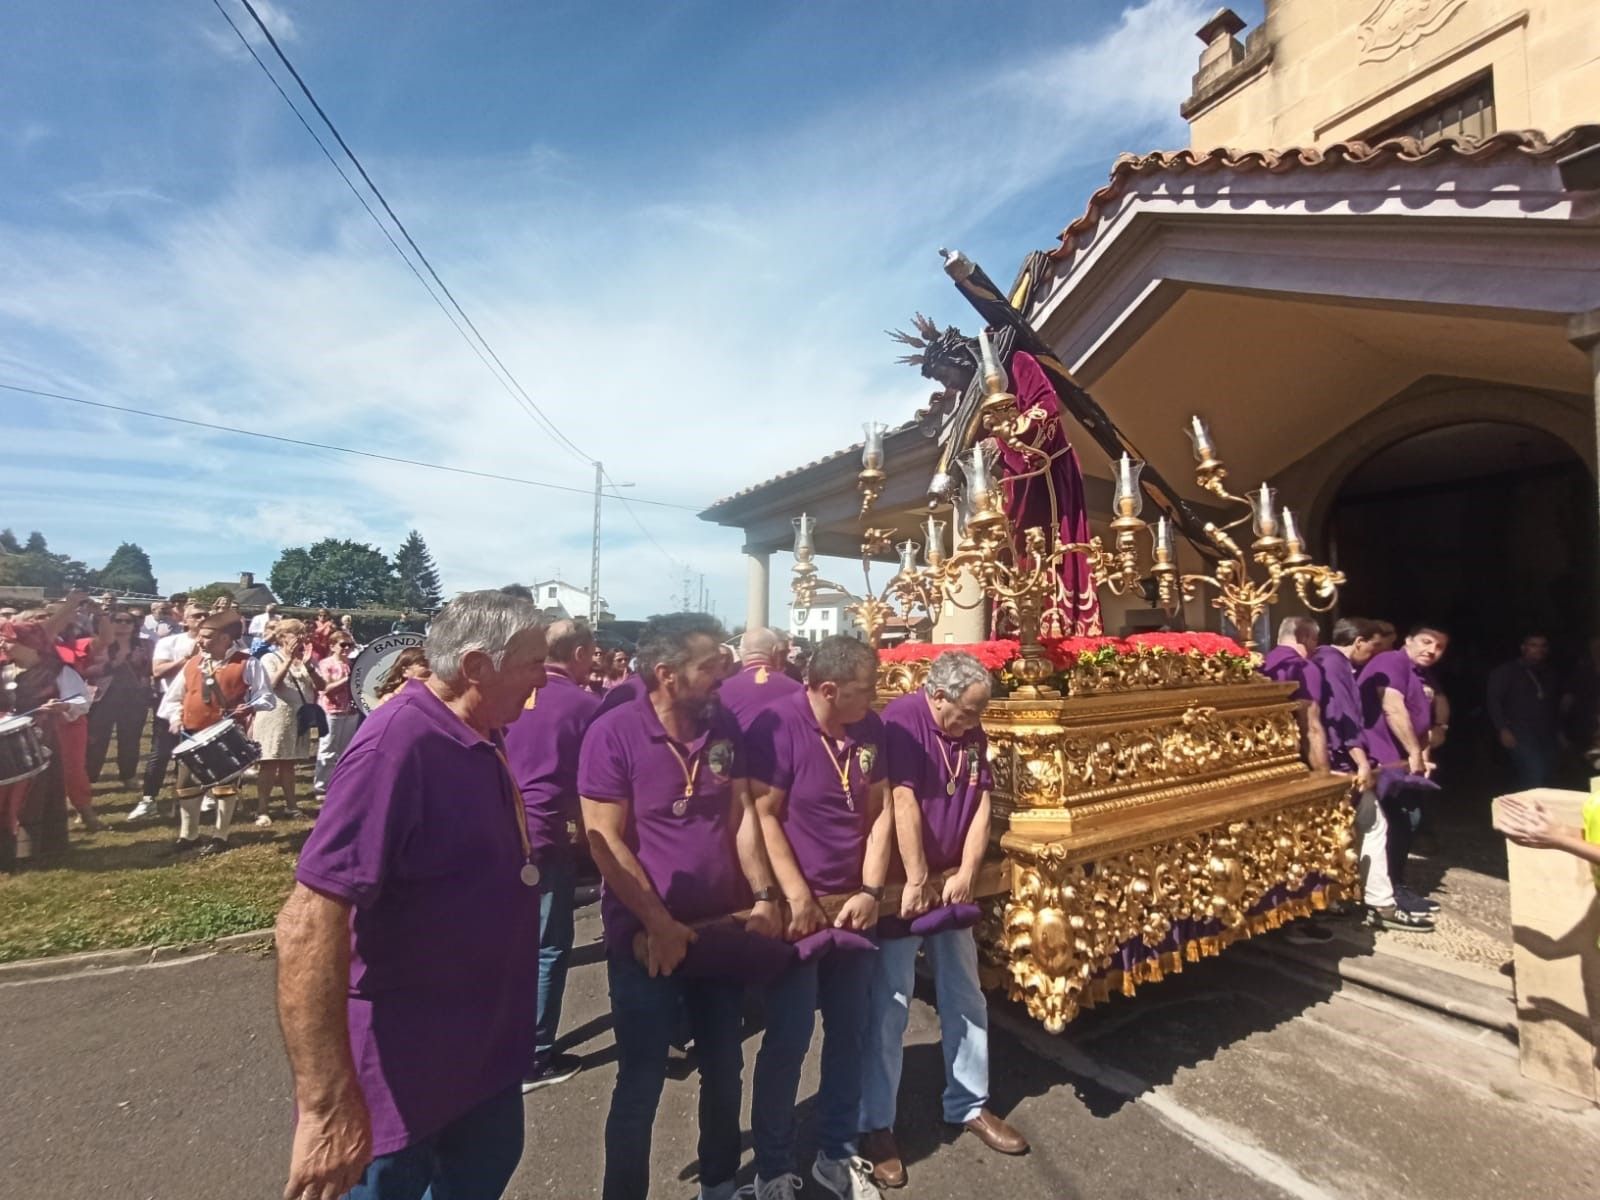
(766, 895)
(875, 892)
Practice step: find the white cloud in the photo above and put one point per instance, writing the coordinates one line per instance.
(226, 43)
(698, 334)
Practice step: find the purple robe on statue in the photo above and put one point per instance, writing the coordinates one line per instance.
(1075, 609)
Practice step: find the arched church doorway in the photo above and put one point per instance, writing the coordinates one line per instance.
(1490, 529)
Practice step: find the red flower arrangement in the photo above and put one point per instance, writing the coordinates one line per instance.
(1067, 653)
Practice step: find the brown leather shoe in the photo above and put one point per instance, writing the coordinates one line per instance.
(878, 1147)
(996, 1134)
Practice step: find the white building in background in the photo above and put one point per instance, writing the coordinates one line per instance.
(826, 617)
(560, 599)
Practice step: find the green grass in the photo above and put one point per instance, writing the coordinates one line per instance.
(123, 886)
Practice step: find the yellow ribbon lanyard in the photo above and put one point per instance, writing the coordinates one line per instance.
(529, 873)
(843, 772)
(691, 772)
(953, 768)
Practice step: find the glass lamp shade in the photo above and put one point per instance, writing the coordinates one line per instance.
(1200, 439)
(908, 556)
(1291, 530)
(1264, 512)
(1164, 540)
(1129, 500)
(977, 465)
(872, 447)
(804, 526)
(934, 529)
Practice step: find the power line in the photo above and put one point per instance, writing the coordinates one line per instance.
(617, 492)
(532, 405)
(408, 462)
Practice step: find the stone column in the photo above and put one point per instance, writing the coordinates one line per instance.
(1583, 331)
(961, 625)
(757, 605)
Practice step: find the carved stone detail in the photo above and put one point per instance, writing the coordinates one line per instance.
(1396, 25)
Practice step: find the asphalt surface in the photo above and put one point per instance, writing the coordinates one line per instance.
(1235, 1080)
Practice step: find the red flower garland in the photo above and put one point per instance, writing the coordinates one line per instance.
(1070, 652)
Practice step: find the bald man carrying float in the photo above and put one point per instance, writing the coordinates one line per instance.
(761, 681)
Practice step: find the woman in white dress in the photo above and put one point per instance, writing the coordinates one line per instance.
(284, 739)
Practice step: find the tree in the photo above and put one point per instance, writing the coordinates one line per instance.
(9, 543)
(33, 565)
(417, 579)
(127, 570)
(207, 594)
(334, 573)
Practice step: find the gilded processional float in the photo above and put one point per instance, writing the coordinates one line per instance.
(1150, 803)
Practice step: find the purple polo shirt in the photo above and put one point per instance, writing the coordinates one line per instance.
(542, 748)
(753, 690)
(689, 856)
(922, 757)
(1393, 669)
(826, 828)
(1285, 664)
(419, 834)
(1340, 702)
(631, 688)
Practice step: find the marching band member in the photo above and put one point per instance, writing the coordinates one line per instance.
(167, 661)
(761, 681)
(219, 681)
(406, 977)
(542, 747)
(33, 811)
(666, 808)
(816, 762)
(938, 765)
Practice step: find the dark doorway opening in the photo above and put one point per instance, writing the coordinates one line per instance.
(1491, 530)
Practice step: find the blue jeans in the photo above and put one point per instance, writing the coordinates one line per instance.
(963, 1026)
(837, 984)
(645, 1014)
(558, 876)
(1534, 762)
(472, 1158)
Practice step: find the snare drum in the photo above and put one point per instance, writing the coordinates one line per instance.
(23, 753)
(216, 754)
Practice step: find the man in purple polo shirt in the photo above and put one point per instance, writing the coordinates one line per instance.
(1397, 710)
(817, 770)
(542, 748)
(666, 809)
(938, 757)
(761, 681)
(1290, 662)
(407, 979)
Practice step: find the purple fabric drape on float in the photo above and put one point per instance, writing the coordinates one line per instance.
(1075, 610)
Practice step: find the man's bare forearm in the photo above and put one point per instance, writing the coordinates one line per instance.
(749, 845)
(779, 853)
(619, 867)
(908, 835)
(313, 947)
(1399, 721)
(880, 837)
(976, 846)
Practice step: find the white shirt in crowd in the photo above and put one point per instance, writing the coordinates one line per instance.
(258, 624)
(175, 647)
(258, 694)
(74, 694)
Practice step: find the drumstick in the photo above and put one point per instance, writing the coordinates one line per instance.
(830, 906)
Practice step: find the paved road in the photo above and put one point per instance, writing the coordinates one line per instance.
(1235, 1081)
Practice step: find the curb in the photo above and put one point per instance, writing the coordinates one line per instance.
(135, 956)
(1441, 991)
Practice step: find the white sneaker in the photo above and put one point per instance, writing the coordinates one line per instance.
(783, 1187)
(143, 810)
(848, 1178)
(208, 803)
(263, 821)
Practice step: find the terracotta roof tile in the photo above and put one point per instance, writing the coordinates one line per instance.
(1530, 143)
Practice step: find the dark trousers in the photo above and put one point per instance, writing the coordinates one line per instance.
(472, 1158)
(644, 1014)
(1533, 762)
(120, 712)
(162, 743)
(1403, 811)
(558, 876)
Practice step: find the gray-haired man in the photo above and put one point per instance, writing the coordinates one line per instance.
(407, 981)
(939, 779)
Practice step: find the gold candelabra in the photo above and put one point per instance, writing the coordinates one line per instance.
(1020, 571)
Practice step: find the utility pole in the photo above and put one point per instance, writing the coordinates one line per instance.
(702, 592)
(594, 553)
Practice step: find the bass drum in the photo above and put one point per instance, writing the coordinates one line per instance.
(369, 668)
(217, 754)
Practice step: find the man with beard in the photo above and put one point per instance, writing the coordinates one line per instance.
(667, 812)
(817, 762)
(1397, 710)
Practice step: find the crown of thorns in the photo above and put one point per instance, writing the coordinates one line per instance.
(949, 345)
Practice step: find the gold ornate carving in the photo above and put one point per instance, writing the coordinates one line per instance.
(1139, 672)
(1396, 25)
(1069, 912)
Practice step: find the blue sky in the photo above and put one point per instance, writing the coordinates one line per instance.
(682, 225)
